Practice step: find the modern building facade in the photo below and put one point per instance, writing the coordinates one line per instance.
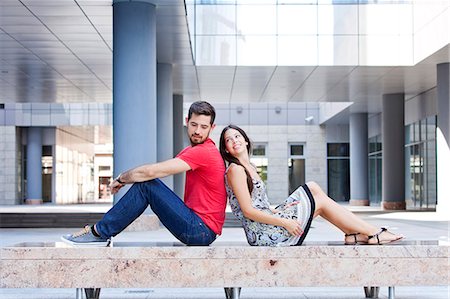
(352, 94)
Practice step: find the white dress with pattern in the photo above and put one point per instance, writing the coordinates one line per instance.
(299, 206)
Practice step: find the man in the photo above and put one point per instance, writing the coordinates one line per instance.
(197, 220)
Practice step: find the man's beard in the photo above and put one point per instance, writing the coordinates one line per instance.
(197, 140)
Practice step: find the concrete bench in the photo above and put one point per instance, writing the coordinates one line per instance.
(228, 265)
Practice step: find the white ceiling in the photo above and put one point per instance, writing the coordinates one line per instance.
(61, 51)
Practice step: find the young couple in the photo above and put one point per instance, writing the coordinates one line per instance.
(199, 219)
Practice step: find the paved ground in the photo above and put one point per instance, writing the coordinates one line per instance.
(414, 225)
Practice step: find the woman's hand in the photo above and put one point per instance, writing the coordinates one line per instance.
(292, 226)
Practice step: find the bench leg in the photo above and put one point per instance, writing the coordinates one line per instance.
(371, 292)
(391, 292)
(79, 293)
(232, 293)
(92, 293)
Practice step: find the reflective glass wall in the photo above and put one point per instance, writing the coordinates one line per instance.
(420, 151)
(375, 169)
(308, 32)
(338, 166)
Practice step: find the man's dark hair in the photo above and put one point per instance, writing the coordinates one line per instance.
(202, 108)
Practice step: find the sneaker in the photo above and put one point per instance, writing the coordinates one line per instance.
(85, 237)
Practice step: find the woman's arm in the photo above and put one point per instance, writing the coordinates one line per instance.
(238, 182)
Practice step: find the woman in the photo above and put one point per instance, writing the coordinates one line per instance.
(288, 223)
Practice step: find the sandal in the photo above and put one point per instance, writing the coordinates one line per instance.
(356, 239)
(382, 242)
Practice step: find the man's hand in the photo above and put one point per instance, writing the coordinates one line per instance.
(115, 186)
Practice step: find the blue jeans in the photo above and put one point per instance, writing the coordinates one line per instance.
(180, 220)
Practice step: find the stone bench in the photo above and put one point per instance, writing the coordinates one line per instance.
(228, 265)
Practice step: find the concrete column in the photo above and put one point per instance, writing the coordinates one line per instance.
(165, 117)
(134, 86)
(178, 144)
(443, 139)
(393, 134)
(359, 195)
(34, 165)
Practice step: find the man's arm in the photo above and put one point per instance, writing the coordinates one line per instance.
(149, 172)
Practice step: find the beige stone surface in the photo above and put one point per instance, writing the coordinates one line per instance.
(57, 265)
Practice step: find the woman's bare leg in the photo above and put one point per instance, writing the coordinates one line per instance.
(342, 218)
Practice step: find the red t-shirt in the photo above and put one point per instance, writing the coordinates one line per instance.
(204, 191)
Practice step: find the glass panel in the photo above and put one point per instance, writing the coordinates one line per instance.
(372, 144)
(407, 134)
(297, 19)
(416, 164)
(215, 19)
(297, 150)
(215, 50)
(338, 150)
(256, 2)
(215, 2)
(261, 167)
(375, 178)
(417, 131)
(338, 1)
(256, 19)
(259, 150)
(339, 179)
(385, 49)
(431, 128)
(296, 174)
(297, 1)
(397, 19)
(256, 50)
(297, 50)
(338, 50)
(431, 180)
(338, 19)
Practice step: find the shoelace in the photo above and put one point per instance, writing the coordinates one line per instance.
(84, 231)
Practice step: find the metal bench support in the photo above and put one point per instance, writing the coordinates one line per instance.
(232, 293)
(371, 292)
(92, 293)
(391, 292)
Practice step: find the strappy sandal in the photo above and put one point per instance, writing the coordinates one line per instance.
(356, 241)
(382, 242)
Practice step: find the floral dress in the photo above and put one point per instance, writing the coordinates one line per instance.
(299, 206)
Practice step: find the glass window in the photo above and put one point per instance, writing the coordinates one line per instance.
(215, 19)
(420, 153)
(215, 50)
(338, 19)
(297, 1)
(297, 19)
(338, 150)
(338, 50)
(296, 150)
(259, 159)
(256, 50)
(338, 166)
(104, 168)
(256, 19)
(296, 164)
(259, 150)
(297, 50)
(375, 166)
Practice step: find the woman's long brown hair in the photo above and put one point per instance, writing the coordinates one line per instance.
(227, 157)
